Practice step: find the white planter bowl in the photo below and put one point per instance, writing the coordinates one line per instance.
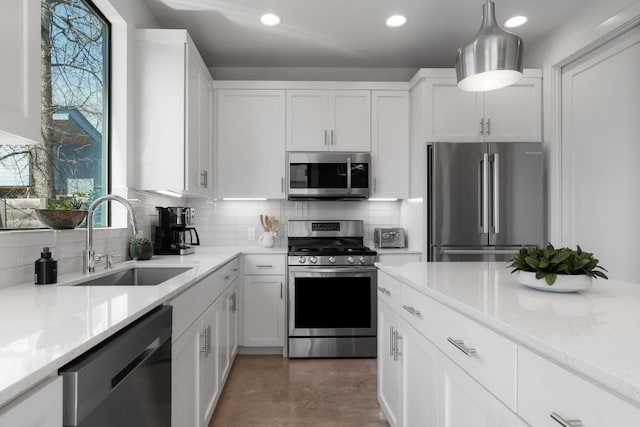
(563, 283)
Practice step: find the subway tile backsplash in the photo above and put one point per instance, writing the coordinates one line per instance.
(228, 223)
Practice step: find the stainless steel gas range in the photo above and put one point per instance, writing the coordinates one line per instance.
(332, 290)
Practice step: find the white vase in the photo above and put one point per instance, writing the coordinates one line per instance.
(266, 240)
(563, 283)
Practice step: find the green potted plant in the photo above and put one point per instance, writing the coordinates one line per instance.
(140, 249)
(557, 270)
(64, 213)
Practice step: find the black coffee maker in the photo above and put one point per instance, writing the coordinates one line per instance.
(175, 233)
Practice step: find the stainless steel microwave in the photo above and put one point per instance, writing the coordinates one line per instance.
(327, 176)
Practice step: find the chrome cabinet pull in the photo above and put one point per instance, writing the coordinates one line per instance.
(203, 348)
(205, 177)
(206, 334)
(325, 138)
(227, 277)
(392, 335)
(384, 290)
(412, 310)
(565, 423)
(264, 266)
(281, 290)
(209, 339)
(459, 344)
(396, 352)
(481, 126)
(282, 184)
(332, 140)
(488, 126)
(375, 185)
(234, 270)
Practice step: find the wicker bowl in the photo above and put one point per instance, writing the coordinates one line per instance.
(59, 219)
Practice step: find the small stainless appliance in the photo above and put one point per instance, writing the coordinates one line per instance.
(332, 299)
(175, 234)
(389, 238)
(326, 176)
(486, 201)
(125, 381)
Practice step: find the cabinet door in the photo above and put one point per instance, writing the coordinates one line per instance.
(263, 311)
(205, 175)
(251, 138)
(466, 403)
(307, 120)
(39, 407)
(452, 115)
(350, 119)
(185, 378)
(194, 95)
(20, 77)
(389, 366)
(232, 313)
(222, 338)
(390, 144)
(514, 112)
(209, 378)
(419, 379)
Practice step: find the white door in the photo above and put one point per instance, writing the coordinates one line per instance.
(307, 120)
(185, 378)
(350, 118)
(20, 77)
(389, 365)
(464, 402)
(39, 407)
(452, 115)
(390, 144)
(205, 177)
(263, 311)
(600, 201)
(208, 376)
(251, 141)
(514, 113)
(194, 94)
(232, 309)
(419, 379)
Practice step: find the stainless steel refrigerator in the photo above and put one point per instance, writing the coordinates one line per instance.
(486, 200)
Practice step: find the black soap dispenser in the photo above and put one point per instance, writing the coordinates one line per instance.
(46, 268)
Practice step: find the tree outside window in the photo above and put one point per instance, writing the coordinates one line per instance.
(73, 157)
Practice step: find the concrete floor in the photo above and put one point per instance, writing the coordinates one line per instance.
(268, 391)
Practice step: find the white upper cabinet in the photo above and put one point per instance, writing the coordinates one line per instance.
(250, 143)
(20, 75)
(173, 114)
(509, 114)
(335, 120)
(390, 144)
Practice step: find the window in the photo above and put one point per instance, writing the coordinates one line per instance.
(74, 156)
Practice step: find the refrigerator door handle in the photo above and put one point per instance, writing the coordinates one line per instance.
(485, 193)
(496, 193)
(480, 251)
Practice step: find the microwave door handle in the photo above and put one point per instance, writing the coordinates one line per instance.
(348, 175)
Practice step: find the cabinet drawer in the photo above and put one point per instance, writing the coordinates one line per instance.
(545, 388)
(420, 311)
(389, 290)
(264, 264)
(230, 271)
(487, 356)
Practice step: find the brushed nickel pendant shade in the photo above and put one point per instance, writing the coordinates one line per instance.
(493, 59)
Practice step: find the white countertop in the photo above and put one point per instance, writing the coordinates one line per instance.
(44, 327)
(594, 332)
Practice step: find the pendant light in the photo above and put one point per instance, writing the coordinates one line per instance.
(493, 59)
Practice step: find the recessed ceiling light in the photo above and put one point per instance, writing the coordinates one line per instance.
(396, 21)
(516, 21)
(270, 20)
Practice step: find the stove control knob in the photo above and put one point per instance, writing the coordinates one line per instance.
(302, 260)
(350, 260)
(313, 260)
(332, 259)
(361, 260)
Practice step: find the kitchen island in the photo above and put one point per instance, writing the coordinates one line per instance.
(592, 335)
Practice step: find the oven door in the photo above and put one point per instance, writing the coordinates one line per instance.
(332, 301)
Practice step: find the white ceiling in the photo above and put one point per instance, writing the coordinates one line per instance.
(347, 33)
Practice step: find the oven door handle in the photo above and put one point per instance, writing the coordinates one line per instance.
(333, 269)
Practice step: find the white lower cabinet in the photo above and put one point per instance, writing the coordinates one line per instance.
(264, 310)
(466, 403)
(203, 352)
(41, 406)
(549, 395)
(389, 369)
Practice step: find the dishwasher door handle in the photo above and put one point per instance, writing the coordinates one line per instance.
(138, 361)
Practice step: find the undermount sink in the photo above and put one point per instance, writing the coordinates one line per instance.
(135, 276)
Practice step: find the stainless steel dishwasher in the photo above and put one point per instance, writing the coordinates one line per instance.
(124, 381)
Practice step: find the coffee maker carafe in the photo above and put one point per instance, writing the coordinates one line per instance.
(175, 233)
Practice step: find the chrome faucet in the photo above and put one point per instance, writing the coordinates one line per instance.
(88, 255)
